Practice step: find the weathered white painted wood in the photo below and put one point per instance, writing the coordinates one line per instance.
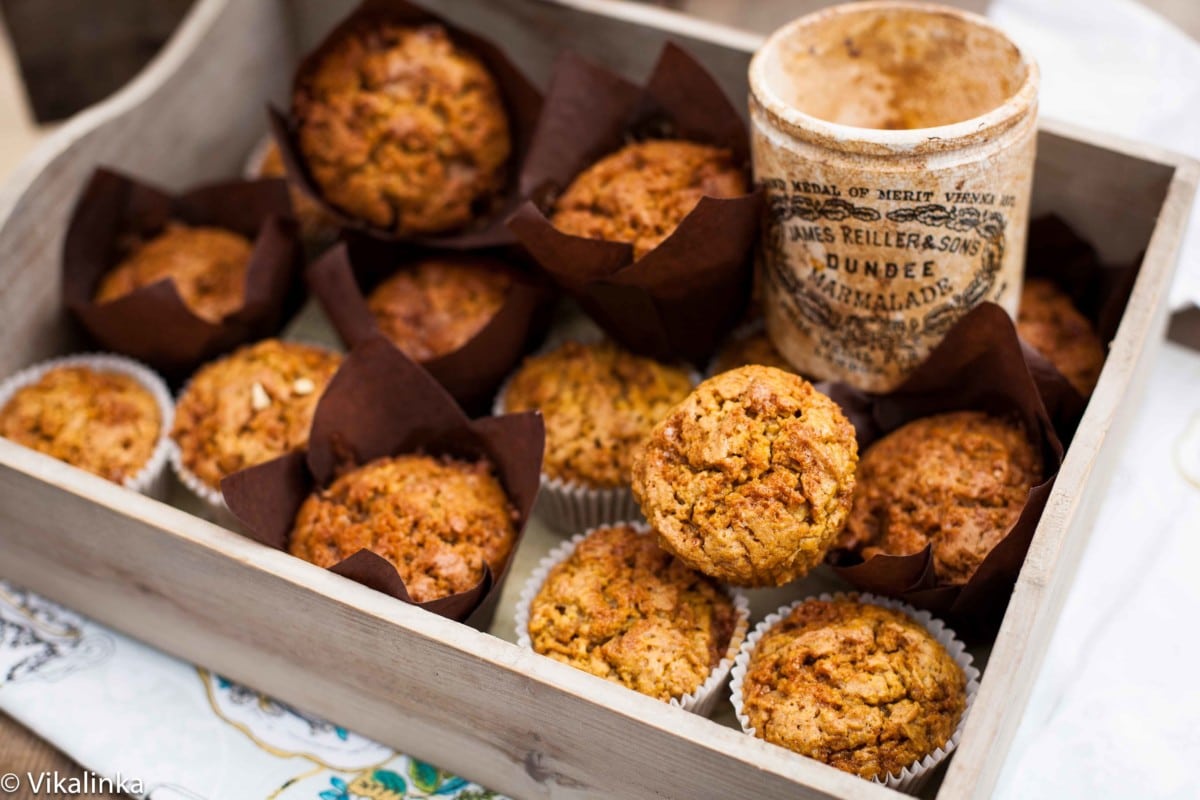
(436, 689)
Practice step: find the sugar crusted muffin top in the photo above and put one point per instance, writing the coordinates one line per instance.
(642, 192)
(599, 403)
(860, 687)
(750, 478)
(104, 422)
(207, 265)
(956, 482)
(437, 520)
(622, 608)
(437, 305)
(401, 127)
(249, 407)
(1051, 324)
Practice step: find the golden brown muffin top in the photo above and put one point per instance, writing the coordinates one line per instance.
(254, 405)
(437, 520)
(956, 482)
(402, 128)
(315, 224)
(437, 305)
(1051, 324)
(207, 265)
(621, 608)
(640, 193)
(755, 348)
(860, 687)
(599, 403)
(749, 479)
(104, 422)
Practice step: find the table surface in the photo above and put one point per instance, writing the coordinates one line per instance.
(22, 751)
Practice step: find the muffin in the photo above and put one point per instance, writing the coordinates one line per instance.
(750, 478)
(1051, 324)
(752, 348)
(106, 422)
(316, 226)
(860, 687)
(403, 129)
(640, 193)
(954, 482)
(599, 403)
(439, 304)
(207, 265)
(620, 607)
(439, 521)
(254, 405)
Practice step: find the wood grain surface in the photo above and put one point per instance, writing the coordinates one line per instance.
(21, 752)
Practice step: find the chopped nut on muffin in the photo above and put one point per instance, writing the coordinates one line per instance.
(860, 687)
(622, 608)
(953, 482)
(1051, 324)
(642, 192)
(404, 129)
(104, 422)
(439, 521)
(599, 403)
(749, 479)
(207, 265)
(254, 405)
(437, 305)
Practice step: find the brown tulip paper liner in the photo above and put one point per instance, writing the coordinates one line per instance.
(678, 300)
(152, 323)
(522, 101)
(979, 366)
(380, 403)
(343, 277)
(1184, 327)
(1100, 291)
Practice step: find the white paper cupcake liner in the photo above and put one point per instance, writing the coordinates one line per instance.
(215, 509)
(152, 478)
(912, 778)
(566, 506)
(706, 697)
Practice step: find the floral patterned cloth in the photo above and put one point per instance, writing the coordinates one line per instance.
(121, 708)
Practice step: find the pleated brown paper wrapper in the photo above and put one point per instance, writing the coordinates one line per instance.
(678, 300)
(1100, 291)
(341, 278)
(152, 323)
(380, 404)
(978, 366)
(522, 100)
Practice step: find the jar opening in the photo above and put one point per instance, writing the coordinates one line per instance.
(891, 66)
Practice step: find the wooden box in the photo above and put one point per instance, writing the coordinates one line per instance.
(464, 699)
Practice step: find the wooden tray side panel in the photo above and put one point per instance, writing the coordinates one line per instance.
(204, 97)
(436, 689)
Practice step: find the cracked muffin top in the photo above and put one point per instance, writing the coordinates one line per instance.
(1049, 322)
(437, 520)
(403, 129)
(254, 405)
(207, 265)
(749, 479)
(956, 482)
(640, 193)
(437, 305)
(755, 348)
(104, 422)
(860, 687)
(599, 403)
(621, 608)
